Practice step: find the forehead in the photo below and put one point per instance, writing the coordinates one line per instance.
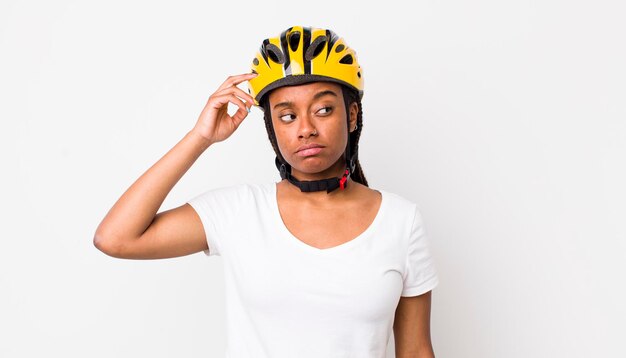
(303, 93)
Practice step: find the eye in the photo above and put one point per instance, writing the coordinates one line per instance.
(325, 110)
(287, 117)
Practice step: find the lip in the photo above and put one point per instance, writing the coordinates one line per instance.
(309, 149)
(309, 146)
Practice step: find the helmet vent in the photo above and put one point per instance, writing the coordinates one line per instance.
(294, 40)
(339, 48)
(347, 59)
(274, 53)
(316, 47)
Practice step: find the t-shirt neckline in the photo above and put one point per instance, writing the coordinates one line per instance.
(362, 237)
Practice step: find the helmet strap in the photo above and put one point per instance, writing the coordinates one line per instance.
(306, 186)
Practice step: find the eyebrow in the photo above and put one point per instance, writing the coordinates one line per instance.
(315, 97)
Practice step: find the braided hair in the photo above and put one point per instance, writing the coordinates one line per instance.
(349, 96)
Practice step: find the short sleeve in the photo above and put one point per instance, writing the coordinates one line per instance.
(420, 275)
(207, 206)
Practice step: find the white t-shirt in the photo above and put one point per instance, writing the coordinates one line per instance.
(285, 298)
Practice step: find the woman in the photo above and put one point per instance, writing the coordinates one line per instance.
(316, 265)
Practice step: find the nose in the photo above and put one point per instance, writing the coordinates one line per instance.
(307, 128)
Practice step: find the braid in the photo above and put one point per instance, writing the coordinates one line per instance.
(349, 96)
(267, 118)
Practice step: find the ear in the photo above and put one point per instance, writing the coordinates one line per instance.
(354, 111)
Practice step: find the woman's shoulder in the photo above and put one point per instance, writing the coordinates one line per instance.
(398, 204)
(390, 196)
(237, 192)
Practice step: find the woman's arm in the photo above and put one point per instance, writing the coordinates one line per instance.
(411, 327)
(131, 228)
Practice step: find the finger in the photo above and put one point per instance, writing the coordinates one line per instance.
(238, 92)
(235, 80)
(238, 117)
(217, 101)
(220, 100)
(238, 102)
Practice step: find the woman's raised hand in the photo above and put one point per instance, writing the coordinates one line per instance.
(214, 123)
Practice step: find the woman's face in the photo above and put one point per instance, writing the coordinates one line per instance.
(311, 128)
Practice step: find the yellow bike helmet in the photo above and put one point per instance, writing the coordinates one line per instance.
(301, 55)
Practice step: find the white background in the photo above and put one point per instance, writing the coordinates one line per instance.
(504, 120)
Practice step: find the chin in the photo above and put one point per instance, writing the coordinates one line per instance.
(313, 165)
(310, 169)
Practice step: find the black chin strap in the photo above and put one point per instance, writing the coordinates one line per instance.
(306, 186)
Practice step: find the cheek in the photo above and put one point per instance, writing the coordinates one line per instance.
(281, 134)
(341, 133)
